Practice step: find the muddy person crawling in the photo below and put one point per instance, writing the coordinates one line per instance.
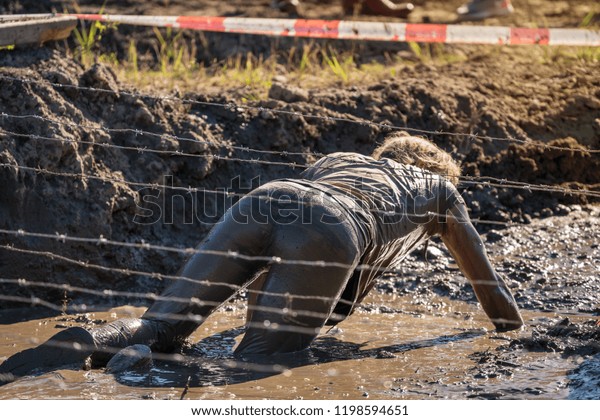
(308, 250)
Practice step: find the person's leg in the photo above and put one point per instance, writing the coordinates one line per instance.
(253, 290)
(297, 299)
(213, 275)
(483, 9)
(209, 279)
(70, 346)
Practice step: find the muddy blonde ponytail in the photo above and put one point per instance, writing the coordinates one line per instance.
(420, 152)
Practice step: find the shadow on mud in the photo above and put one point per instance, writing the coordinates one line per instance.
(210, 362)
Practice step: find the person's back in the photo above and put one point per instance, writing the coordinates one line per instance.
(395, 206)
(393, 199)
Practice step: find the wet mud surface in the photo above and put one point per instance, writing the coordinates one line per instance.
(99, 138)
(416, 353)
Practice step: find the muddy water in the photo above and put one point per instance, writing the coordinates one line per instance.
(441, 351)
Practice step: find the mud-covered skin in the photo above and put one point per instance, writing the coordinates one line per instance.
(342, 211)
(132, 358)
(68, 347)
(264, 224)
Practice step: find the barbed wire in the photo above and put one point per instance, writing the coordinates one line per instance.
(288, 312)
(138, 132)
(465, 179)
(161, 277)
(236, 288)
(36, 301)
(267, 325)
(192, 301)
(234, 107)
(179, 153)
(231, 194)
(101, 241)
(226, 360)
(171, 153)
(246, 149)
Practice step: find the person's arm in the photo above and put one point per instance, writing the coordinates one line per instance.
(466, 246)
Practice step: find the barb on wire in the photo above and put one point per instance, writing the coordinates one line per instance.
(138, 132)
(192, 301)
(234, 107)
(271, 326)
(470, 180)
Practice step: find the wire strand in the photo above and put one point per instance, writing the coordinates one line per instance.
(234, 107)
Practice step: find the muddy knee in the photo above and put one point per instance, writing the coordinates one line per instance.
(265, 341)
(111, 338)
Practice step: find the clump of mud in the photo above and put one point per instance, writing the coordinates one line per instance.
(64, 172)
(579, 340)
(564, 337)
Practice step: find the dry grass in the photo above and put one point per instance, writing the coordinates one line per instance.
(174, 67)
(310, 66)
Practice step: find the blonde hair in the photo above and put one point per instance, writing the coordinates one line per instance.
(420, 152)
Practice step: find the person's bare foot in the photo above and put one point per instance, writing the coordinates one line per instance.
(68, 347)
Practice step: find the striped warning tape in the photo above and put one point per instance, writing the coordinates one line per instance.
(360, 30)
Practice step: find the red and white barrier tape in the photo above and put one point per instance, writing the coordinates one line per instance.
(357, 30)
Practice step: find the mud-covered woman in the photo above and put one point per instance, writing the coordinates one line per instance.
(308, 250)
